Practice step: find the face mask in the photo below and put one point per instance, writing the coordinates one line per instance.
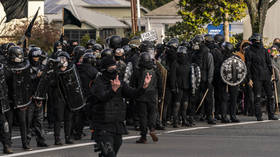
(195, 47)
(110, 74)
(118, 58)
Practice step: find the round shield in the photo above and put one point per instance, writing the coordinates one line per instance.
(233, 71)
(195, 77)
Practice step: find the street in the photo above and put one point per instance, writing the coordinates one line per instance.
(248, 138)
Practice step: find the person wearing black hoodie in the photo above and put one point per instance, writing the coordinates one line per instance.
(147, 103)
(204, 59)
(182, 86)
(109, 109)
(168, 60)
(87, 73)
(259, 67)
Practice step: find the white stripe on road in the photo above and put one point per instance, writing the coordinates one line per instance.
(182, 130)
(49, 133)
(133, 137)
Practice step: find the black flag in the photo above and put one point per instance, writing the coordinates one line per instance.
(30, 26)
(69, 18)
(15, 9)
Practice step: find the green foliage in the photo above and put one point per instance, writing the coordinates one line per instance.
(85, 39)
(153, 4)
(198, 13)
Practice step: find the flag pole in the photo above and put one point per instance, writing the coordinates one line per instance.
(62, 22)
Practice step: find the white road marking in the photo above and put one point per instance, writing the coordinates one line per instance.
(49, 133)
(132, 137)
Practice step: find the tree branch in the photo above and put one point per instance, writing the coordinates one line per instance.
(272, 3)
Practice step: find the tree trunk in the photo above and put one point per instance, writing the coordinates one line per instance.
(257, 11)
(226, 28)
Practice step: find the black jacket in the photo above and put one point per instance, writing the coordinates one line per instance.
(155, 88)
(108, 107)
(258, 63)
(204, 59)
(87, 74)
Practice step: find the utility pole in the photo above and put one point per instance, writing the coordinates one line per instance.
(133, 16)
(139, 15)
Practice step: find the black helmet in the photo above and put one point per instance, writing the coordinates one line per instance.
(56, 44)
(5, 48)
(35, 52)
(89, 51)
(97, 47)
(146, 45)
(89, 58)
(115, 42)
(255, 37)
(15, 54)
(91, 42)
(126, 49)
(228, 47)
(63, 54)
(219, 38)
(182, 50)
(79, 50)
(209, 39)
(185, 44)
(173, 43)
(145, 58)
(197, 40)
(106, 52)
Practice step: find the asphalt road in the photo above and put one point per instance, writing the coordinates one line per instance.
(245, 139)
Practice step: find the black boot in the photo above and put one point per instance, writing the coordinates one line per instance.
(26, 147)
(7, 149)
(225, 119)
(68, 140)
(57, 141)
(210, 120)
(234, 119)
(142, 140)
(41, 144)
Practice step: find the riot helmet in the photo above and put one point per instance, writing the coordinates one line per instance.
(106, 52)
(115, 42)
(219, 39)
(197, 41)
(145, 60)
(15, 54)
(90, 44)
(89, 58)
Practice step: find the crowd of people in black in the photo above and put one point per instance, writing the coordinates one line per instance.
(108, 87)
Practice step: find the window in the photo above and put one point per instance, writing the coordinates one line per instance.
(77, 35)
(105, 33)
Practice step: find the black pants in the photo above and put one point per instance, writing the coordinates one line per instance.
(62, 113)
(249, 106)
(79, 121)
(181, 102)
(267, 86)
(109, 143)
(167, 108)
(207, 105)
(21, 116)
(147, 112)
(4, 130)
(35, 122)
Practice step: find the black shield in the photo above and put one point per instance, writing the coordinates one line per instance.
(21, 85)
(48, 73)
(71, 88)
